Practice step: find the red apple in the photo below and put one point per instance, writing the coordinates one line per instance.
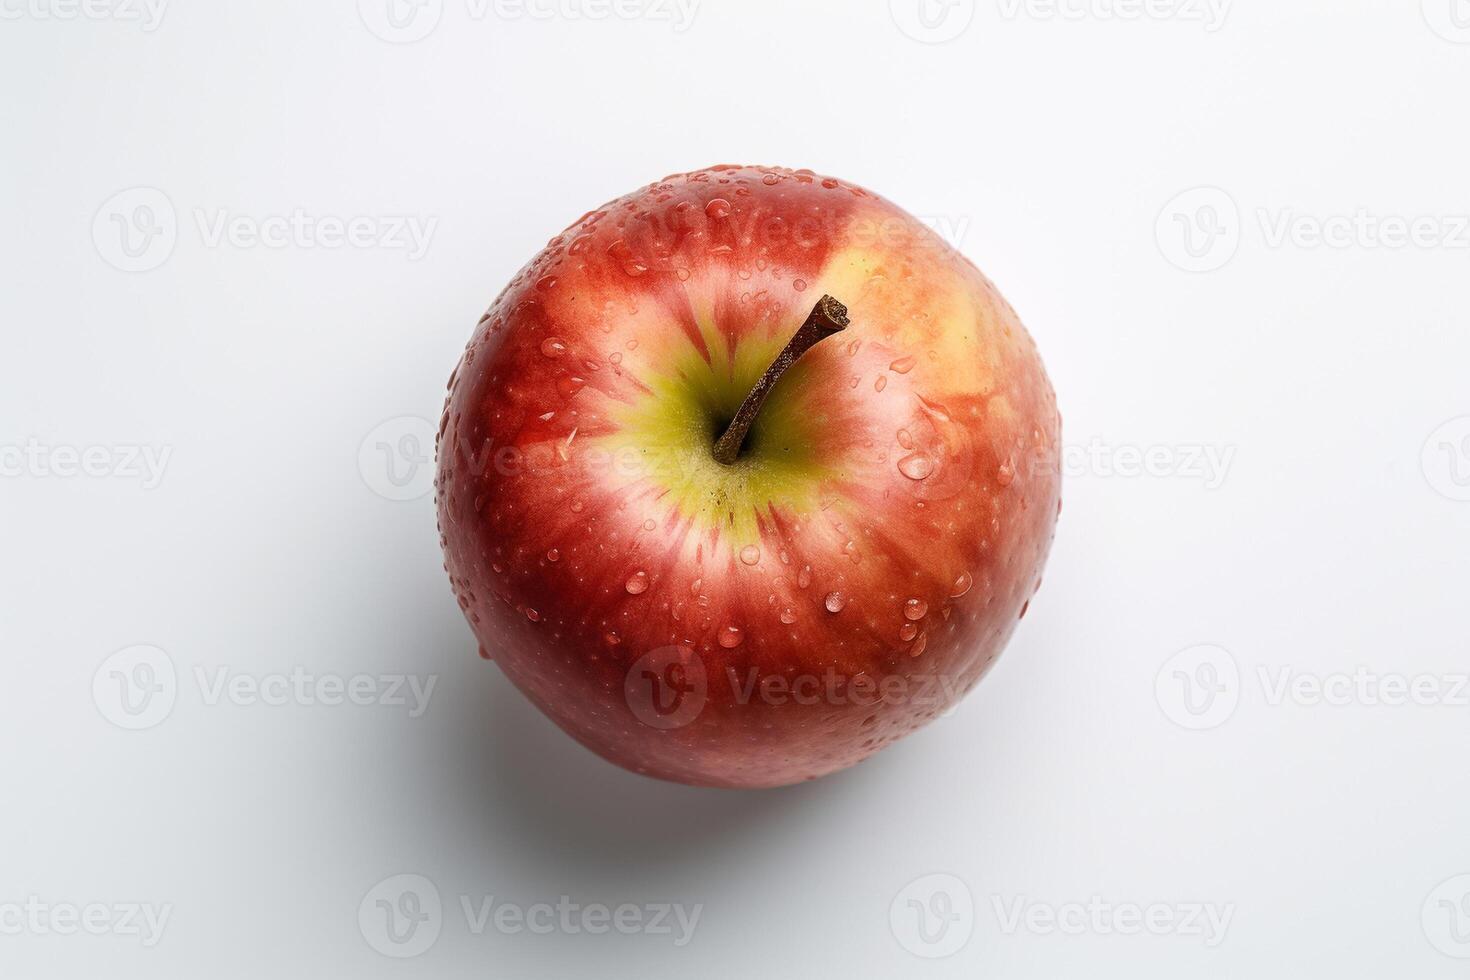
(856, 562)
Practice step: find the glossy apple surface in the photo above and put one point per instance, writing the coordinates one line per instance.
(856, 570)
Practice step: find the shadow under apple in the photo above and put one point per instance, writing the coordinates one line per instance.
(566, 805)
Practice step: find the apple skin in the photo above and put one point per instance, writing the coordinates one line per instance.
(849, 578)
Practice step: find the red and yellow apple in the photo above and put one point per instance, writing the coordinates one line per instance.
(849, 573)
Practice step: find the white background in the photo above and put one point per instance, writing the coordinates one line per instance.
(1055, 150)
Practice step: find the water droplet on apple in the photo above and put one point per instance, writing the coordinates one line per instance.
(919, 645)
(915, 609)
(546, 283)
(750, 554)
(553, 555)
(637, 584)
(533, 615)
(881, 383)
(576, 506)
(553, 347)
(935, 410)
(829, 183)
(835, 602)
(799, 285)
(611, 638)
(907, 632)
(916, 466)
(902, 366)
(1006, 475)
(770, 180)
(569, 386)
(682, 273)
(905, 439)
(961, 585)
(788, 615)
(650, 524)
(804, 577)
(731, 637)
(717, 208)
(630, 263)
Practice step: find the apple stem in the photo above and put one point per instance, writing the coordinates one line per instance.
(827, 317)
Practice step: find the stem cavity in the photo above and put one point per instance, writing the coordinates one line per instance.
(827, 317)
